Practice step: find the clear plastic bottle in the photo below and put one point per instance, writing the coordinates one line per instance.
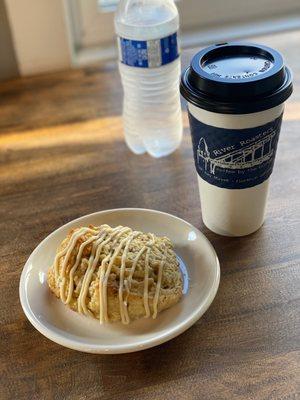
(150, 70)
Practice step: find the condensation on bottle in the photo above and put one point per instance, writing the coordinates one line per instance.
(149, 65)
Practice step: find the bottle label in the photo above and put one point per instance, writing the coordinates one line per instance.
(148, 53)
(234, 158)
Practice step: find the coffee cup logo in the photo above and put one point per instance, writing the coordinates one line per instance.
(234, 158)
(245, 157)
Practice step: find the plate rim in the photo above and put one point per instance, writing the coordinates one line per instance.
(121, 348)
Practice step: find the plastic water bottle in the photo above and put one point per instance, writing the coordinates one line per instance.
(150, 70)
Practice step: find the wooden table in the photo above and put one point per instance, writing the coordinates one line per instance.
(63, 156)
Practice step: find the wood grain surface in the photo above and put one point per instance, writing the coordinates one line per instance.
(63, 156)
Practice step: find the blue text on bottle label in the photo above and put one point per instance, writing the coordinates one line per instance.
(148, 53)
(234, 158)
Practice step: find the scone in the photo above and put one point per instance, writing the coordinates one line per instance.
(116, 274)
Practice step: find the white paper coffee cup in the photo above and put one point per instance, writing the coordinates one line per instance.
(235, 115)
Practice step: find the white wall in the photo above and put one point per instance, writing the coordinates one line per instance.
(39, 34)
(8, 62)
(96, 29)
(45, 39)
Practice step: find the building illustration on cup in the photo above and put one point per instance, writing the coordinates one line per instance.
(245, 157)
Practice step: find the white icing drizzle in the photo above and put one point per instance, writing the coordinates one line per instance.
(74, 268)
(158, 283)
(101, 278)
(93, 260)
(67, 251)
(75, 236)
(129, 280)
(123, 304)
(108, 270)
(98, 240)
(146, 278)
(110, 258)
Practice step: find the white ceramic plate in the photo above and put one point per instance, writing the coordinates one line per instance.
(199, 266)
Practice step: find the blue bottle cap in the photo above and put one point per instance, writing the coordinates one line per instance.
(236, 78)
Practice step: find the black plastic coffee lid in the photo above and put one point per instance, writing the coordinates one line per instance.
(236, 78)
